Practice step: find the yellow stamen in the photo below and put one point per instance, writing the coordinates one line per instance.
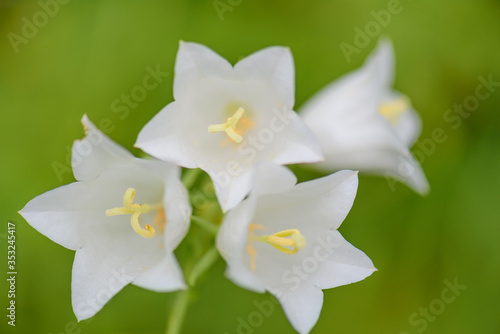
(129, 208)
(281, 241)
(229, 126)
(392, 110)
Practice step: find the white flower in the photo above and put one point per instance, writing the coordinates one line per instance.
(124, 217)
(225, 119)
(363, 124)
(284, 239)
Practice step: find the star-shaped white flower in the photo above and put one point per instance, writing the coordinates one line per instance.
(124, 217)
(284, 239)
(363, 124)
(225, 119)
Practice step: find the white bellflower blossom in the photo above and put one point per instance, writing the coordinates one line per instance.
(284, 239)
(123, 217)
(363, 124)
(225, 119)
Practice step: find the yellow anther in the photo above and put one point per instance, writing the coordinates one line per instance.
(129, 208)
(287, 241)
(229, 126)
(392, 110)
(280, 241)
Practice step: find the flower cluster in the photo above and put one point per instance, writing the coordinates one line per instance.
(125, 216)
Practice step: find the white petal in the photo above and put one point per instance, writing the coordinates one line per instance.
(344, 117)
(178, 213)
(103, 267)
(240, 275)
(316, 208)
(302, 307)
(318, 204)
(270, 178)
(296, 143)
(302, 304)
(234, 230)
(353, 136)
(194, 62)
(407, 124)
(364, 87)
(156, 183)
(109, 253)
(231, 190)
(273, 65)
(382, 61)
(166, 276)
(231, 242)
(71, 214)
(407, 170)
(409, 127)
(63, 214)
(94, 153)
(345, 265)
(330, 197)
(164, 137)
(313, 207)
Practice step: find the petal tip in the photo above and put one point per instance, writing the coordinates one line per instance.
(425, 191)
(85, 122)
(385, 41)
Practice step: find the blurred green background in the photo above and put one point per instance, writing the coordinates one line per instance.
(88, 54)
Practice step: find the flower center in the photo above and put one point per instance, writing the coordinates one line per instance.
(393, 109)
(229, 126)
(129, 208)
(288, 241)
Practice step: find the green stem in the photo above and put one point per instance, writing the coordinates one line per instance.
(205, 224)
(203, 265)
(179, 311)
(190, 176)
